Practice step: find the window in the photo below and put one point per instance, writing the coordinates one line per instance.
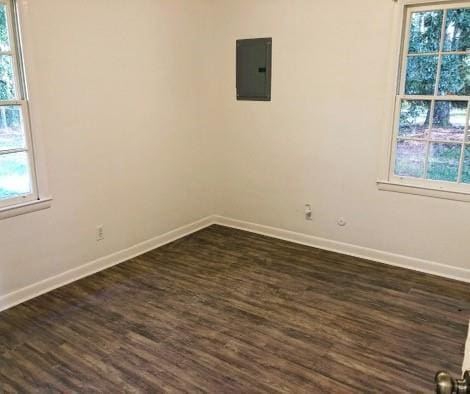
(17, 170)
(431, 139)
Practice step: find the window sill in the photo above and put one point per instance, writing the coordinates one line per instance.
(423, 191)
(21, 209)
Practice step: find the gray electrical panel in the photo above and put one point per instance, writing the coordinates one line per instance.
(254, 69)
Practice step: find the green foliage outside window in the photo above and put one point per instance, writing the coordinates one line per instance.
(4, 40)
(425, 31)
(423, 77)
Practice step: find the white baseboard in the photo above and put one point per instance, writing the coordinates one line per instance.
(36, 289)
(380, 256)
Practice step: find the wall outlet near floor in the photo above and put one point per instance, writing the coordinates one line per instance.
(99, 233)
(308, 212)
(342, 222)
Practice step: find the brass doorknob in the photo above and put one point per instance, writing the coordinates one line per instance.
(444, 383)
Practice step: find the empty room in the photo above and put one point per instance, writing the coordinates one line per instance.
(235, 196)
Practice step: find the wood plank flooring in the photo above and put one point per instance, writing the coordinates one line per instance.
(226, 311)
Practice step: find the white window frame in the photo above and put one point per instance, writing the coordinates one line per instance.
(387, 178)
(38, 198)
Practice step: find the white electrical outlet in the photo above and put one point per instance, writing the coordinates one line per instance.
(100, 233)
(308, 212)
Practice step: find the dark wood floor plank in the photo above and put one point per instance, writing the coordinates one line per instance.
(226, 311)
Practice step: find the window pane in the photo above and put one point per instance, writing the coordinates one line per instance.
(414, 118)
(4, 39)
(457, 36)
(7, 80)
(14, 175)
(444, 160)
(410, 158)
(449, 120)
(12, 134)
(455, 75)
(425, 31)
(466, 166)
(421, 75)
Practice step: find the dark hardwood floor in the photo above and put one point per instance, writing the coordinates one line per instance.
(225, 311)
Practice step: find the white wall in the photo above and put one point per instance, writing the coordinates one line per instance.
(320, 139)
(119, 94)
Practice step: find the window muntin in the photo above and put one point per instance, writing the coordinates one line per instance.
(17, 173)
(431, 143)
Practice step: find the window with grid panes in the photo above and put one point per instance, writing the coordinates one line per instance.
(17, 173)
(431, 145)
